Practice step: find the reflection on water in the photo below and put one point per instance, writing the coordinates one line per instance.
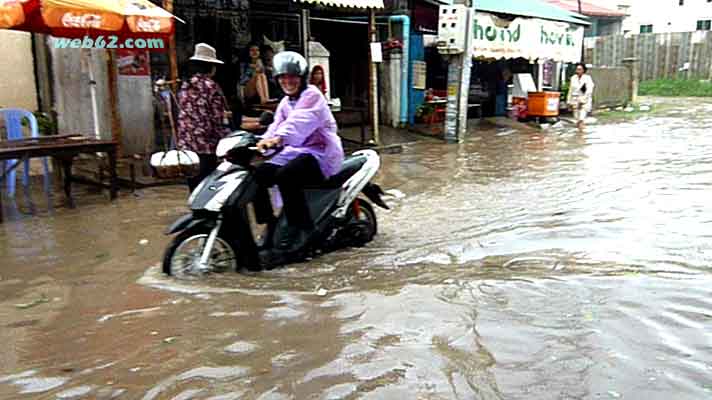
(520, 265)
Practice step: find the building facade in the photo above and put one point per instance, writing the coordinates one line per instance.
(605, 19)
(18, 91)
(664, 16)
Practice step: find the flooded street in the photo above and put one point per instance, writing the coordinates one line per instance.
(523, 264)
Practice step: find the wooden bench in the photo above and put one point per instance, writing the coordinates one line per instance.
(352, 116)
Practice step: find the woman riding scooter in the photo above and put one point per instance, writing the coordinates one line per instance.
(311, 151)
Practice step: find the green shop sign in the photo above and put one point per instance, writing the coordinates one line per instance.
(528, 38)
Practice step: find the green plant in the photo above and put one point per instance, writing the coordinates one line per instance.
(676, 88)
(424, 111)
(45, 124)
(565, 89)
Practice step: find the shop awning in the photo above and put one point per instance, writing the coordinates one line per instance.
(346, 3)
(525, 37)
(530, 8)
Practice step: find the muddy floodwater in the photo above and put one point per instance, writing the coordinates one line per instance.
(523, 264)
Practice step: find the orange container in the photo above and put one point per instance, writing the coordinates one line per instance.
(543, 104)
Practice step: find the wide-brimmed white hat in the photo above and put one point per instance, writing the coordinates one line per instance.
(206, 53)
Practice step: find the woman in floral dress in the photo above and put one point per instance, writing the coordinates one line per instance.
(204, 117)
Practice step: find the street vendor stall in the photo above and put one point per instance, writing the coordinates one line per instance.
(535, 40)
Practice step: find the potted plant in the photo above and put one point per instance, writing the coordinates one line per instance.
(45, 124)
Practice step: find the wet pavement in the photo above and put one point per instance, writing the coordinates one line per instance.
(520, 265)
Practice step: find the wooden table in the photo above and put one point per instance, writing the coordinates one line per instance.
(437, 102)
(64, 149)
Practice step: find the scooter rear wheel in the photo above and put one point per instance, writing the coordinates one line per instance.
(182, 257)
(363, 225)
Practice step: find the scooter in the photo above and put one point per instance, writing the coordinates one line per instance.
(217, 235)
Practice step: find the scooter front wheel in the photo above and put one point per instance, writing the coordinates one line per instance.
(182, 258)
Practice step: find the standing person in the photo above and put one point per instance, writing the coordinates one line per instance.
(254, 78)
(580, 97)
(311, 151)
(275, 92)
(203, 112)
(501, 92)
(267, 57)
(317, 78)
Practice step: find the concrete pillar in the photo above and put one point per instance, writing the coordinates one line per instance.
(458, 85)
(540, 74)
(306, 33)
(557, 76)
(373, 79)
(17, 86)
(633, 65)
(390, 72)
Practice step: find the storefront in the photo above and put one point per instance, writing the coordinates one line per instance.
(230, 27)
(233, 26)
(505, 47)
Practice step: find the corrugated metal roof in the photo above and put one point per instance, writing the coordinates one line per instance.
(530, 8)
(346, 3)
(587, 8)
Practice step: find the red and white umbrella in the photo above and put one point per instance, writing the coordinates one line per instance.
(79, 18)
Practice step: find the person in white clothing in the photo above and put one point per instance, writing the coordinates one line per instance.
(580, 97)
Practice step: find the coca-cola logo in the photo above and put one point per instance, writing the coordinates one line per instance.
(148, 25)
(71, 20)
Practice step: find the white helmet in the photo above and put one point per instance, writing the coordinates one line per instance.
(290, 63)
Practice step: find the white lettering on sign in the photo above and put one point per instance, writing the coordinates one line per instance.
(71, 20)
(528, 38)
(148, 25)
(552, 105)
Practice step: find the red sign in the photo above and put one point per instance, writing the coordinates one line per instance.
(134, 62)
(425, 18)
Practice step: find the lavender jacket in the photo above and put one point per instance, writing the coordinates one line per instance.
(307, 126)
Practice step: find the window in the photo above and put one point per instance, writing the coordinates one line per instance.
(646, 29)
(704, 25)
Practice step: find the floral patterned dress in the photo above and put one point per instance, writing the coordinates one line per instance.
(200, 120)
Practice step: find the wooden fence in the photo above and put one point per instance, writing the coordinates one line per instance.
(685, 55)
(612, 86)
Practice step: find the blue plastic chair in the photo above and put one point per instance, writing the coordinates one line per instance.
(13, 124)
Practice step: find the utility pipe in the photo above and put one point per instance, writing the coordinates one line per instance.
(405, 20)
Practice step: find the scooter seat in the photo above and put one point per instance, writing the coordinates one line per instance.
(349, 168)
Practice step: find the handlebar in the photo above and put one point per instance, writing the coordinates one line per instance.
(272, 150)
